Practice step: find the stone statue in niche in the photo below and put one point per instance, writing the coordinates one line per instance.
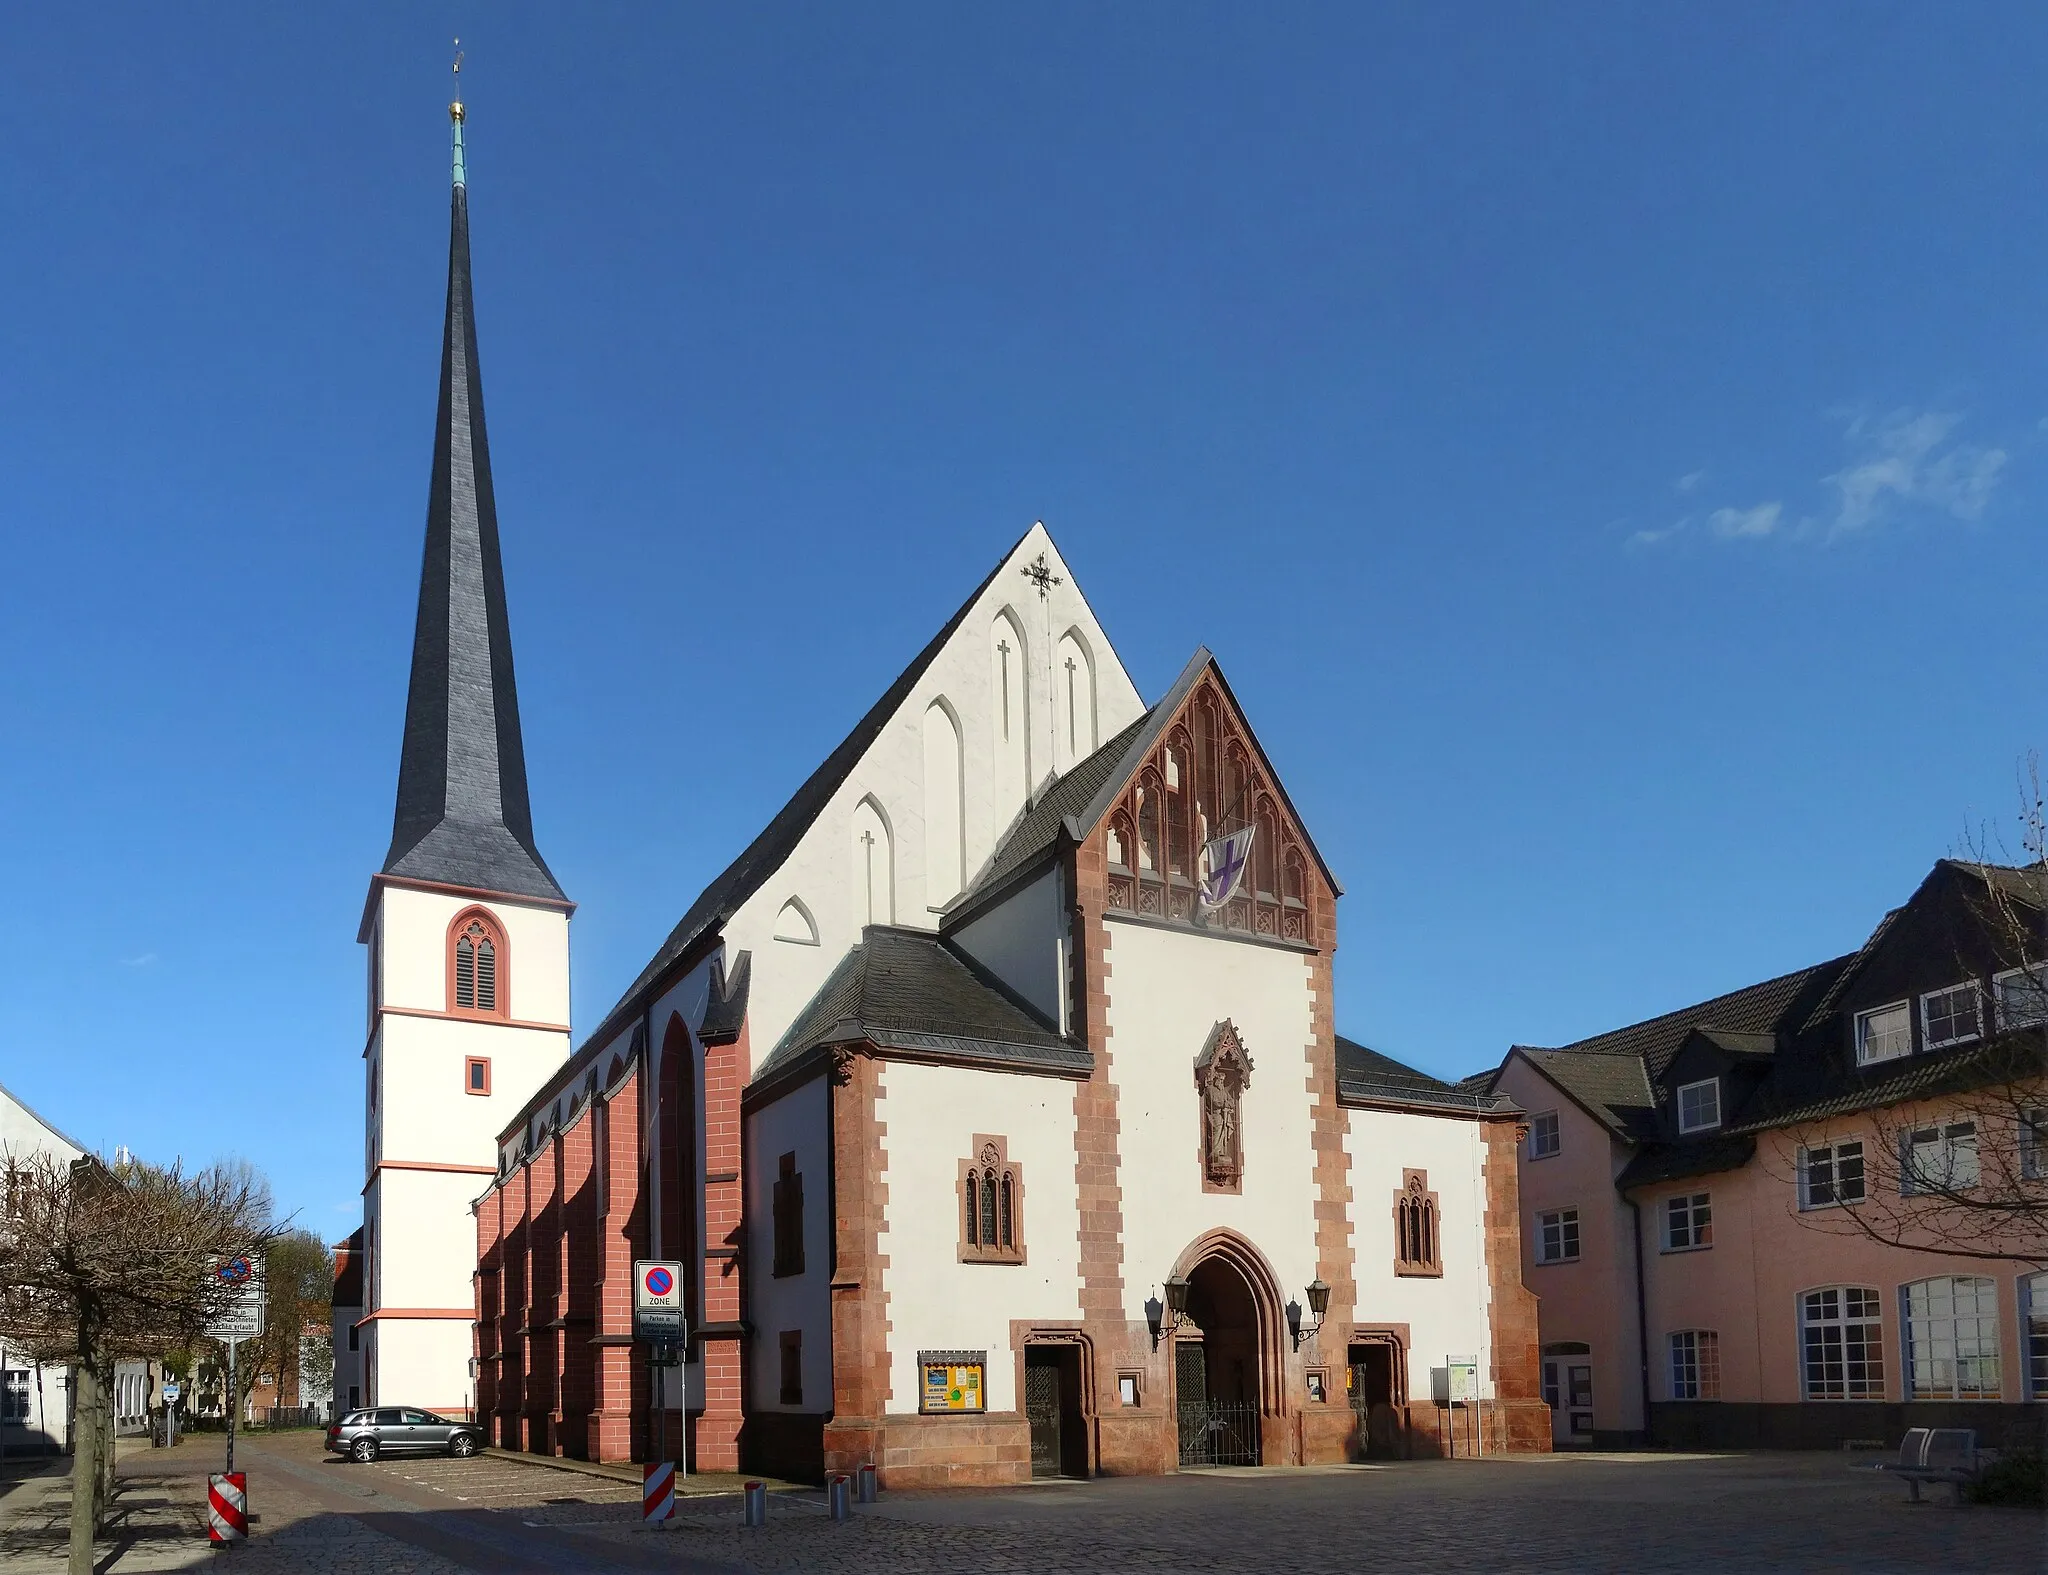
(1222, 1073)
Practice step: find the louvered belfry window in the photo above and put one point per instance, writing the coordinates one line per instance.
(478, 985)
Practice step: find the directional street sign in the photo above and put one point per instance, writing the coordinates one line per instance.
(657, 1300)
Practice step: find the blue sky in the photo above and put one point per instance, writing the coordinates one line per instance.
(1605, 448)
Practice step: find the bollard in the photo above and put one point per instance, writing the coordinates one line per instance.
(837, 1496)
(865, 1484)
(227, 1506)
(755, 1511)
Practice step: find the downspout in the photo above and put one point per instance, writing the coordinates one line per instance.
(1635, 1210)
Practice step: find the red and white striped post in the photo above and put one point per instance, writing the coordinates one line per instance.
(658, 1491)
(227, 1506)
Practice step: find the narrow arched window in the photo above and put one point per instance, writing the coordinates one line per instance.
(476, 965)
(991, 1204)
(1416, 1227)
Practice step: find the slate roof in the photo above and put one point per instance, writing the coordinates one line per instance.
(1788, 1035)
(767, 853)
(462, 816)
(1366, 1075)
(1754, 1009)
(726, 1012)
(1067, 800)
(1611, 1086)
(908, 990)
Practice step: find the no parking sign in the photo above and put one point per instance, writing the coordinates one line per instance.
(657, 1300)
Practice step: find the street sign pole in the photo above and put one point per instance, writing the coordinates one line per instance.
(234, 1404)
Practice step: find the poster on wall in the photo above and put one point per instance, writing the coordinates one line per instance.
(952, 1381)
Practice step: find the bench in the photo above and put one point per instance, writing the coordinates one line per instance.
(1937, 1454)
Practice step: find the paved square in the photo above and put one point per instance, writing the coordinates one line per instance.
(1643, 1514)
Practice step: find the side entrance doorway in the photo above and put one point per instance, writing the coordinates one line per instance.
(1052, 1406)
(1568, 1389)
(1370, 1382)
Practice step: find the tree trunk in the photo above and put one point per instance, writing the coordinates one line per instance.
(85, 1448)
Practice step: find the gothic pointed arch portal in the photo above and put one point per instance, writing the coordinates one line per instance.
(1230, 1359)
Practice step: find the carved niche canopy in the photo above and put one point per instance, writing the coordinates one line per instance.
(1222, 1072)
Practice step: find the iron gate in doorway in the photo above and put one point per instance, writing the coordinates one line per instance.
(1212, 1432)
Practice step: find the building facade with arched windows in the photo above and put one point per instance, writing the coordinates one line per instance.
(986, 1144)
(988, 1147)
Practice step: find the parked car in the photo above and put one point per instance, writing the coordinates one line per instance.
(402, 1430)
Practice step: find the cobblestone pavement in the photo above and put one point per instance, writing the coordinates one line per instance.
(1644, 1514)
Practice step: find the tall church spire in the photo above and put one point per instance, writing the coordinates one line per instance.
(463, 818)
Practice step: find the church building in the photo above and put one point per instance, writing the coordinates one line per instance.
(992, 1098)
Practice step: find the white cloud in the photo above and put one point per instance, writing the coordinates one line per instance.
(143, 960)
(1736, 524)
(1689, 481)
(1906, 460)
(1650, 538)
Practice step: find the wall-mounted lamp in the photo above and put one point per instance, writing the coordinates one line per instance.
(1318, 1304)
(1176, 1306)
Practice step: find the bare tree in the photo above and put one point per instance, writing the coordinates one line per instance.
(100, 1263)
(1957, 1161)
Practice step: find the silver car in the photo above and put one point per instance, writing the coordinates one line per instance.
(402, 1430)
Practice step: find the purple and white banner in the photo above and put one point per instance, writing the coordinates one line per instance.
(1224, 862)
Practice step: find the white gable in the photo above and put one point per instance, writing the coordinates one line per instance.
(997, 713)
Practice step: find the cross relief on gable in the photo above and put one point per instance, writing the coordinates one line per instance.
(1223, 1071)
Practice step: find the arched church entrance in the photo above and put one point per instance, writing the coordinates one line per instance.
(1227, 1365)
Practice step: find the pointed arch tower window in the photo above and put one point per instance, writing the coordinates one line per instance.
(478, 975)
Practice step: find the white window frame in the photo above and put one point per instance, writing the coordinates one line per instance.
(2034, 1145)
(1556, 1135)
(1704, 1351)
(1935, 1338)
(1684, 1125)
(1834, 1200)
(1542, 1244)
(1998, 980)
(1699, 1221)
(2033, 1305)
(1863, 1057)
(1942, 1138)
(1872, 1344)
(14, 1395)
(1927, 1038)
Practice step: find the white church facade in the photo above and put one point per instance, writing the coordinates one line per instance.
(988, 1145)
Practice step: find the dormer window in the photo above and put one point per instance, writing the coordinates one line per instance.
(1884, 1033)
(1951, 1017)
(1699, 1105)
(476, 965)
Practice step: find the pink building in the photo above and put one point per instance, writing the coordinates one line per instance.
(1809, 1210)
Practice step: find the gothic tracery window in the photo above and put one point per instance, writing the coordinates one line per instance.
(991, 1205)
(1418, 1245)
(476, 965)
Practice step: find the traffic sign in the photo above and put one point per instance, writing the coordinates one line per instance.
(171, 1392)
(657, 1300)
(242, 1319)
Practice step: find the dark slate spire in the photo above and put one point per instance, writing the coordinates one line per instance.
(463, 817)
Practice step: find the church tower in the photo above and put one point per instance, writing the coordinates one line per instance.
(467, 930)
